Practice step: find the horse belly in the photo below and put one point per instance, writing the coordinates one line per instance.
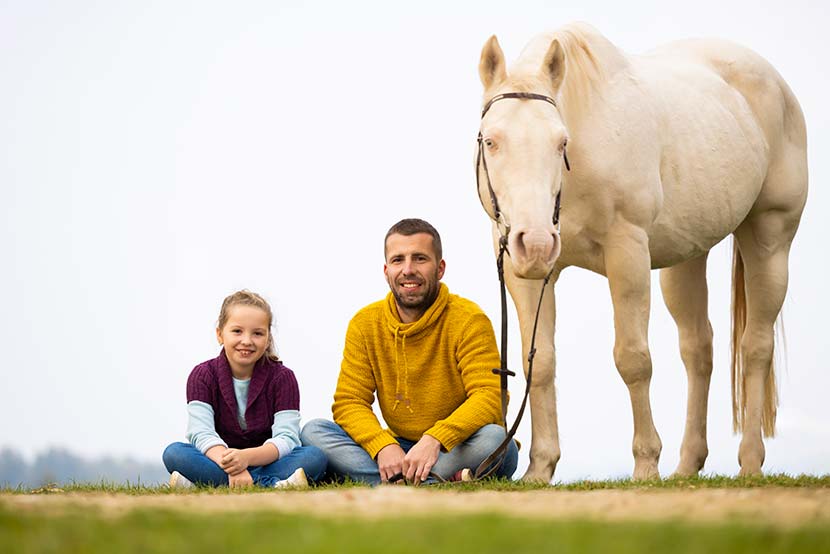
(712, 169)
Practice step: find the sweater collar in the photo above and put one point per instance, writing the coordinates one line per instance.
(225, 377)
(433, 314)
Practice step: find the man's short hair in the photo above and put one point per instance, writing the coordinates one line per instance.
(413, 226)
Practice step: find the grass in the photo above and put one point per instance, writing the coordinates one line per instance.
(91, 530)
(674, 483)
(167, 531)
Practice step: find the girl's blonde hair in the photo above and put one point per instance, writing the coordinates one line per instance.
(245, 297)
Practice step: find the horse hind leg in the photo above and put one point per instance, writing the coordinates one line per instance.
(686, 296)
(763, 243)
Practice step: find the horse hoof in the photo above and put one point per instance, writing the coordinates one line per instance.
(536, 477)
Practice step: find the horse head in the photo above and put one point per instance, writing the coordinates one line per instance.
(521, 156)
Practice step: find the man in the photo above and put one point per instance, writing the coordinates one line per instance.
(429, 356)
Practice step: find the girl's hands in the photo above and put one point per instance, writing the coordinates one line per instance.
(234, 461)
(241, 479)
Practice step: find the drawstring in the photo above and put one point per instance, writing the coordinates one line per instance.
(397, 376)
(398, 395)
(405, 375)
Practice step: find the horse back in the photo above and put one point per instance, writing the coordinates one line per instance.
(726, 121)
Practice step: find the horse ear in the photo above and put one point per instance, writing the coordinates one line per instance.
(554, 65)
(491, 66)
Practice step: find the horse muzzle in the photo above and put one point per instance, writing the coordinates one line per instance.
(533, 251)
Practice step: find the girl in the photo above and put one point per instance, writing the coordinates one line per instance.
(243, 410)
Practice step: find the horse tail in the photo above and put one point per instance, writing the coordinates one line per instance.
(770, 402)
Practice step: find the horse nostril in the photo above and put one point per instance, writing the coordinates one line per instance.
(519, 244)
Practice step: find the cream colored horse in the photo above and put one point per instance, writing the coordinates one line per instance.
(670, 152)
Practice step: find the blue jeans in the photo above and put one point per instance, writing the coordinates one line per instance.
(349, 459)
(198, 468)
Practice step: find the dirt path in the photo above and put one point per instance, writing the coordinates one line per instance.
(784, 507)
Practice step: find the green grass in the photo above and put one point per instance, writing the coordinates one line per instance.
(91, 530)
(676, 483)
(165, 531)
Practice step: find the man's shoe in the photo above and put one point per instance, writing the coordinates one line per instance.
(297, 480)
(463, 475)
(179, 481)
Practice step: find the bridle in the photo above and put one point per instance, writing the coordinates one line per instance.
(492, 463)
(481, 161)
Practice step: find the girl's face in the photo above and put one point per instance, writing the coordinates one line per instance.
(244, 338)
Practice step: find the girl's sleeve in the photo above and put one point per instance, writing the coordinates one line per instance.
(285, 431)
(201, 431)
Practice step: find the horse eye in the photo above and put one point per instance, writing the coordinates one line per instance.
(488, 142)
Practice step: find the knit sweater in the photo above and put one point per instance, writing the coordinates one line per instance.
(432, 376)
(273, 389)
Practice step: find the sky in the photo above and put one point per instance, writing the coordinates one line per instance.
(157, 156)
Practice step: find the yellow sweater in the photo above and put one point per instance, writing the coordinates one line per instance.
(432, 376)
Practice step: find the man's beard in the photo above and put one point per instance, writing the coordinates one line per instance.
(423, 303)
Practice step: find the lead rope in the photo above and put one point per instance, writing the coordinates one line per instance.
(495, 460)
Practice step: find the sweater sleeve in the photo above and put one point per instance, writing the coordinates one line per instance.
(354, 395)
(285, 431)
(201, 431)
(477, 355)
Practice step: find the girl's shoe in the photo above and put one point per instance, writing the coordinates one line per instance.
(179, 481)
(297, 480)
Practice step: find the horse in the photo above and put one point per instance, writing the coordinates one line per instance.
(656, 159)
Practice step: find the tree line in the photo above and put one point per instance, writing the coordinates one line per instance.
(60, 466)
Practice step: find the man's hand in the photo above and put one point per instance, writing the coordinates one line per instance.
(241, 479)
(390, 461)
(234, 461)
(419, 460)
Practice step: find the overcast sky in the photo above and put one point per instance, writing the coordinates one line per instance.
(156, 156)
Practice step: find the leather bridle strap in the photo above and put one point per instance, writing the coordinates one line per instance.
(519, 96)
(494, 461)
(481, 160)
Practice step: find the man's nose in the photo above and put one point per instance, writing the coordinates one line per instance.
(408, 267)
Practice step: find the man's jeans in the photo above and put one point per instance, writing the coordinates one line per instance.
(198, 468)
(348, 459)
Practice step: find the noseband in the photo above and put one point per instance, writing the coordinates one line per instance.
(481, 161)
(492, 463)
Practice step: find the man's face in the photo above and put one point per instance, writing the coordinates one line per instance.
(413, 272)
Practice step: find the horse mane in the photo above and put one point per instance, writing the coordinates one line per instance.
(590, 61)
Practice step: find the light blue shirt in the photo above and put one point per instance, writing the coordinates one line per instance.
(201, 430)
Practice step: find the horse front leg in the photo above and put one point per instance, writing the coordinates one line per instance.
(544, 443)
(628, 268)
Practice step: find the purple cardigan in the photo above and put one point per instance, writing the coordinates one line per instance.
(273, 388)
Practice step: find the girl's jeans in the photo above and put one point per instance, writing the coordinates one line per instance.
(199, 469)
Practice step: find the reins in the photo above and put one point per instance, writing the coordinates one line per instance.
(494, 461)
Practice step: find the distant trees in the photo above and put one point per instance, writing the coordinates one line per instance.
(59, 465)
